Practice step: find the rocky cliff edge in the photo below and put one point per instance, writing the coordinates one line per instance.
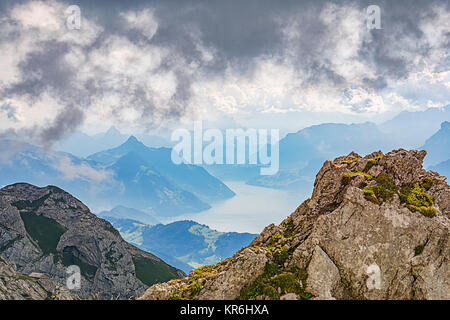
(375, 227)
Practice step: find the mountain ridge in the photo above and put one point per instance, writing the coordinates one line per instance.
(184, 244)
(43, 230)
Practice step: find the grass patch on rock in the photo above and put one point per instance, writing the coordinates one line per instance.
(349, 176)
(275, 282)
(151, 271)
(382, 191)
(45, 231)
(415, 198)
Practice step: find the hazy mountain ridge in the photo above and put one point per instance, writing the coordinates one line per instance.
(302, 153)
(438, 146)
(410, 129)
(189, 177)
(127, 177)
(121, 212)
(83, 145)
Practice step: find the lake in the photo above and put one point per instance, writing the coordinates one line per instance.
(250, 210)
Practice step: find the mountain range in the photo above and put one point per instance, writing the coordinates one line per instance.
(302, 153)
(183, 244)
(82, 145)
(410, 129)
(121, 212)
(130, 175)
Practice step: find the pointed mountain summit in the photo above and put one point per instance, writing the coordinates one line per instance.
(112, 131)
(108, 157)
(188, 177)
(133, 141)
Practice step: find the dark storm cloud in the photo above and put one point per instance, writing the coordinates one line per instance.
(42, 70)
(66, 121)
(243, 30)
(239, 32)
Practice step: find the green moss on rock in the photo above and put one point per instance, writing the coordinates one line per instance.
(418, 250)
(349, 176)
(382, 191)
(281, 255)
(275, 280)
(417, 200)
(426, 183)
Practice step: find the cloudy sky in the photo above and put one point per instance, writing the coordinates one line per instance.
(143, 65)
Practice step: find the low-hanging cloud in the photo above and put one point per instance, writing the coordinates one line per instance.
(71, 171)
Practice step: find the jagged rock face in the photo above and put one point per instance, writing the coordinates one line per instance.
(16, 286)
(375, 227)
(44, 230)
(222, 282)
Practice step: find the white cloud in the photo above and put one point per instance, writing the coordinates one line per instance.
(143, 21)
(82, 171)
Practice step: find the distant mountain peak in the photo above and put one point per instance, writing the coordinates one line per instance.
(113, 129)
(112, 132)
(133, 141)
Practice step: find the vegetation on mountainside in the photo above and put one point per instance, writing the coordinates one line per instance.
(276, 279)
(351, 160)
(349, 176)
(70, 256)
(275, 282)
(415, 198)
(45, 231)
(47, 234)
(151, 272)
(382, 188)
(382, 191)
(187, 291)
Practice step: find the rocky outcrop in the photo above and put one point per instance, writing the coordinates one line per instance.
(218, 282)
(45, 230)
(16, 286)
(375, 227)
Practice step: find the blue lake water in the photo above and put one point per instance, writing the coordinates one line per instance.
(250, 210)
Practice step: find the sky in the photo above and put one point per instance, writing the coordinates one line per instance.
(145, 65)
